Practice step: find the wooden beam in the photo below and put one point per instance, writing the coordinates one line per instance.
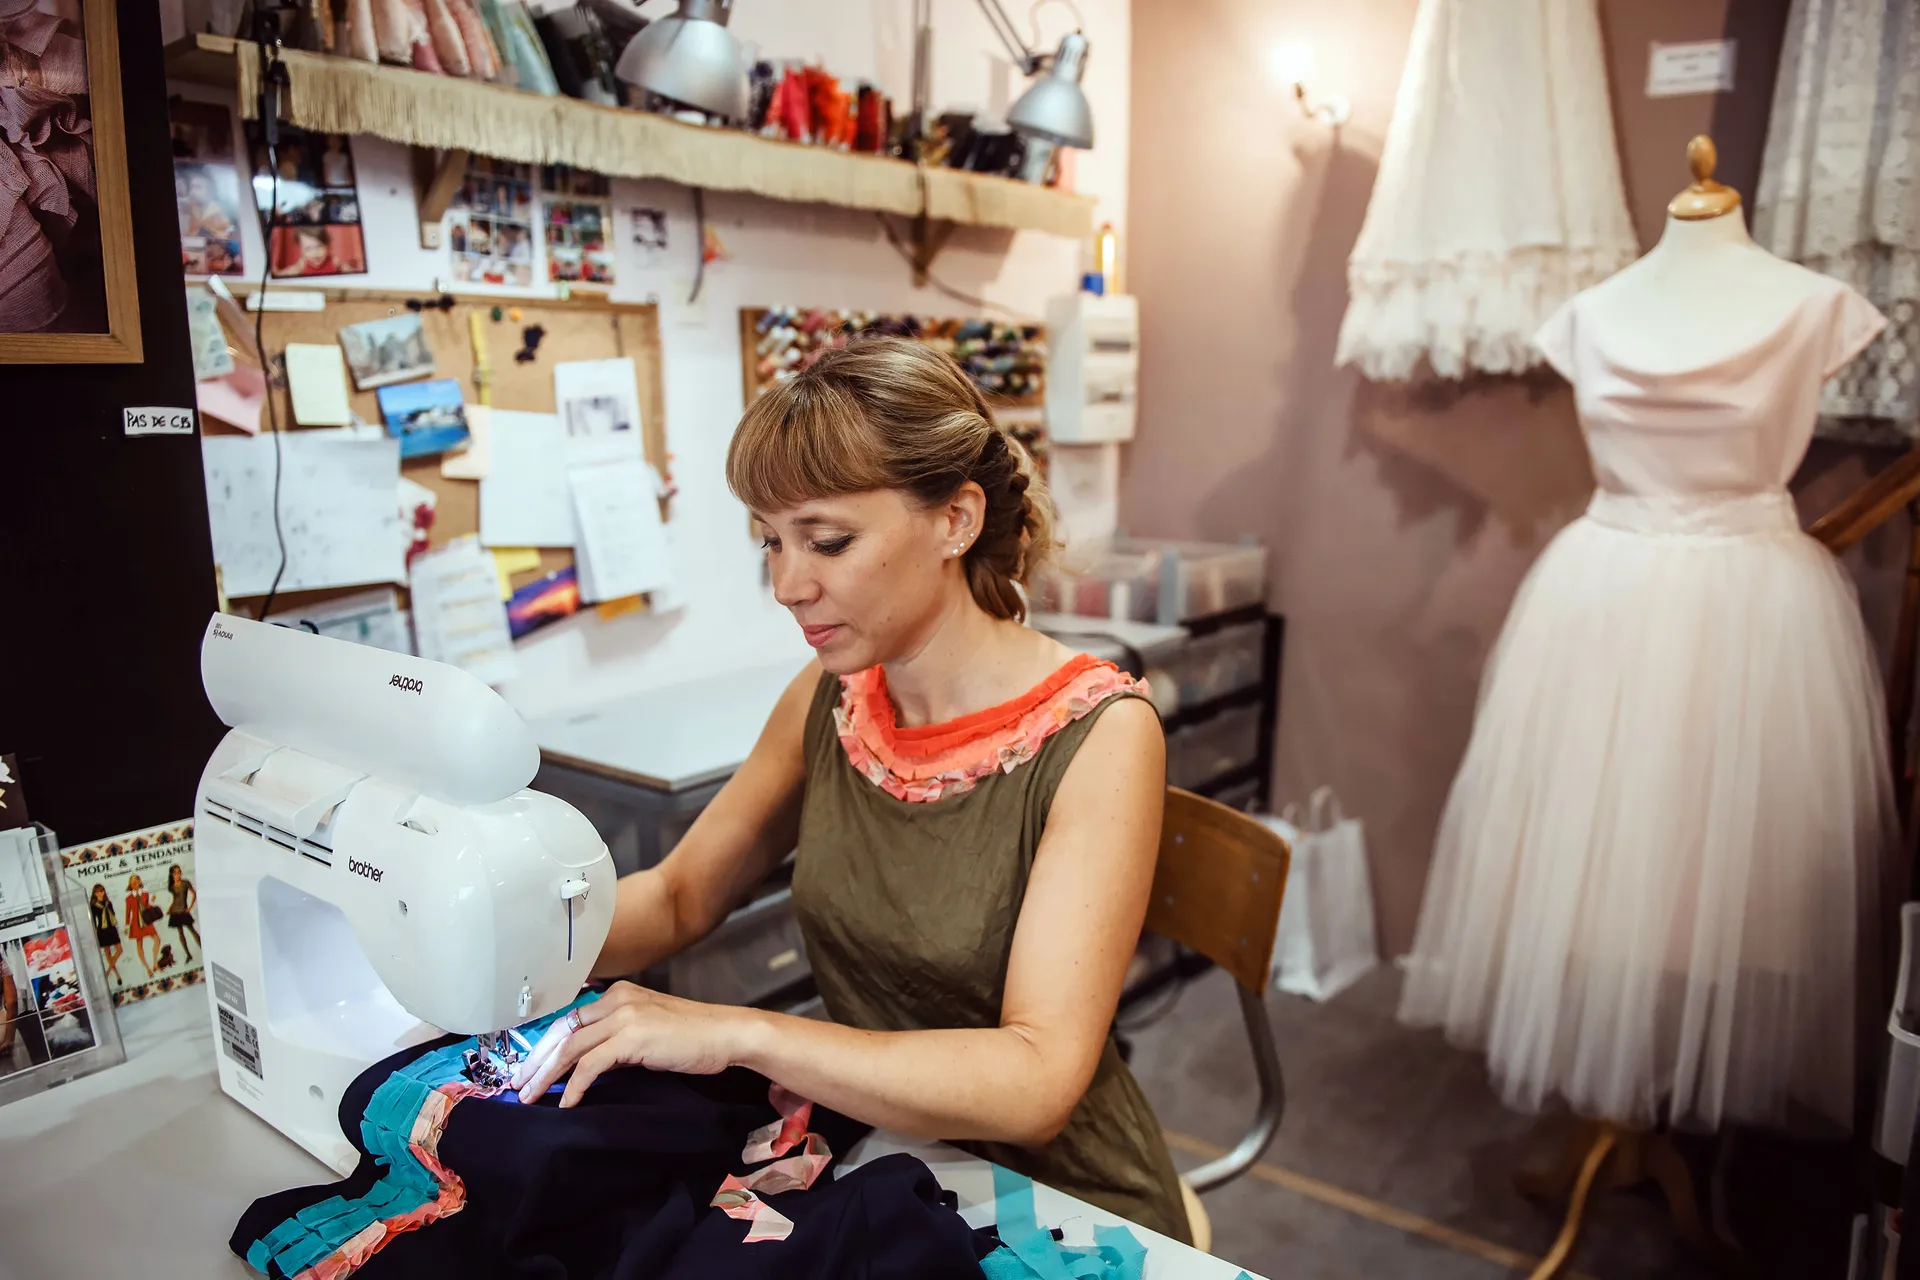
(1870, 506)
(440, 175)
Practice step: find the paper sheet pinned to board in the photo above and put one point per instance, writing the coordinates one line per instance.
(476, 460)
(317, 384)
(599, 406)
(525, 500)
(457, 615)
(622, 548)
(337, 511)
(366, 617)
(238, 399)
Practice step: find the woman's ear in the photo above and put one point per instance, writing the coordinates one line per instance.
(966, 513)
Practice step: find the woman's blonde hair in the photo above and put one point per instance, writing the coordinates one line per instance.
(890, 413)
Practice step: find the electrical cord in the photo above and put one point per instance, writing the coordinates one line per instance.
(942, 286)
(270, 68)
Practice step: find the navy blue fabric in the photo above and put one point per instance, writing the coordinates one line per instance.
(619, 1187)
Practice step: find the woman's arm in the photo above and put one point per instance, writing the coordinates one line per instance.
(735, 842)
(1018, 1082)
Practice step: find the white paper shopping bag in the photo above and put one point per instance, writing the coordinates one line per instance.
(1326, 937)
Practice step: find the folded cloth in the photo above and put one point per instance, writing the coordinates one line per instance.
(621, 1185)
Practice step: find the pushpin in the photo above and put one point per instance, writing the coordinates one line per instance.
(514, 315)
(497, 313)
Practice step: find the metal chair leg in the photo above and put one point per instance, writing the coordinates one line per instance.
(1273, 1100)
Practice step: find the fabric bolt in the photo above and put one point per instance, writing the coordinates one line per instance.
(1840, 192)
(1498, 195)
(619, 1186)
(1656, 878)
(908, 909)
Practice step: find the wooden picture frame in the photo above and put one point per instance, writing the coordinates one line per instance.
(120, 342)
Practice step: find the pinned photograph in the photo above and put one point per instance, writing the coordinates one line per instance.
(425, 417)
(599, 405)
(649, 230)
(307, 188)
(206, 188)
(490, 224)
(385, 351)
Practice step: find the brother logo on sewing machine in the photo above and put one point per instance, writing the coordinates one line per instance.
(366, 869)
(408, 683)
(220, 634)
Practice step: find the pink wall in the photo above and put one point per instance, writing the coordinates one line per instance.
(1401, 520)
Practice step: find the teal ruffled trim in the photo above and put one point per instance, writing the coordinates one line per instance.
(385, 1131)
(1029, 1252)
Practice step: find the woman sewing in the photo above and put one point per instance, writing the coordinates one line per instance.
(975, 807)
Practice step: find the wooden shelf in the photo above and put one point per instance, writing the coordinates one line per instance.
(341, 95)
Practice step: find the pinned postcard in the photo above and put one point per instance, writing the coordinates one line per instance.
(211, 358)
(599, 401)
(425, 417)
(385, 351)
(544, 601)
(317, 385)
(237, 399)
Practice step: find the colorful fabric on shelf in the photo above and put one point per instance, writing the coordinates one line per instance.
(929, 762)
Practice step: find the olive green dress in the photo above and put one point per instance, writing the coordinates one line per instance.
(908, 910)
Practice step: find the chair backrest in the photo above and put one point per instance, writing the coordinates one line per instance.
(1218, 885)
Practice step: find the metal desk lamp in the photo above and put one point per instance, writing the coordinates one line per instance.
(691, 59)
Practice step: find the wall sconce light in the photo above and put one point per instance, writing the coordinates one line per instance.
(1292, 66)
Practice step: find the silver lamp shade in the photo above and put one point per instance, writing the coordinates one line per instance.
(1054, 109)
(691, 59)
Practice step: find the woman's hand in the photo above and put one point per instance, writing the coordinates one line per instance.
(631, 1026)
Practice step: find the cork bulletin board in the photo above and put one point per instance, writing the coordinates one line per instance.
(581, 328)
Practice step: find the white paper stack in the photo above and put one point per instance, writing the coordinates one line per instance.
(457, 614)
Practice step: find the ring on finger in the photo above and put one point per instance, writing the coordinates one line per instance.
(573, 1020)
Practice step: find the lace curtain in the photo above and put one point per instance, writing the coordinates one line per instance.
(1840, 192)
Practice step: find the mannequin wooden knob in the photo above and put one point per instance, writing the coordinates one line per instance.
(1702, 156)
(1705, 198)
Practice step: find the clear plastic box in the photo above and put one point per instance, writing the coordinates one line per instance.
(1154, 580)
(1224, 661)
(1108, 583)
(1199, 753)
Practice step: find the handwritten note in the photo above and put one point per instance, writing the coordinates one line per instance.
(338, 516)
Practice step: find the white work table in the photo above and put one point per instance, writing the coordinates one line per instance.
(143, 1169)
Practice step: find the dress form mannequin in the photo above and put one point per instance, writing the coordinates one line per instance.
(1705, 291)
(1656, 872)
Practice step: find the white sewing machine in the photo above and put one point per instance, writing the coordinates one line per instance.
(372, 871)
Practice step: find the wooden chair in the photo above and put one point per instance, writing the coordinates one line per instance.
(1217, 890)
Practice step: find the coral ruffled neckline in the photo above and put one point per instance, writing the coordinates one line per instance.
(928, 762)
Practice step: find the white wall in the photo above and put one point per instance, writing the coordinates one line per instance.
(778, 254)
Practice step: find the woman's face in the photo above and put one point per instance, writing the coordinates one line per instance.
(133, 884)
(868, 576)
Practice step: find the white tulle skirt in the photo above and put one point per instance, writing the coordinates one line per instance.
(1657, 874)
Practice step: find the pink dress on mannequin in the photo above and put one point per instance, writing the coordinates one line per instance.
(1659, 865)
